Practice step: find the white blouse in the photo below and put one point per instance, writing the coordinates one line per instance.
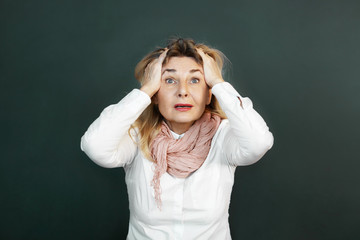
(192, 208)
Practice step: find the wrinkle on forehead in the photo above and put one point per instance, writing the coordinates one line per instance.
(182, 64)
(171, 70)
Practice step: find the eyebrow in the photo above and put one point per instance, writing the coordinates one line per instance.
(174, 70)
(169, 70)
(195, 70)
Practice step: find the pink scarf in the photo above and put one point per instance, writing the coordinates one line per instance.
(180, 157)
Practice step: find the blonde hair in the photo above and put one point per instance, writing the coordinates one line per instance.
(149, 122)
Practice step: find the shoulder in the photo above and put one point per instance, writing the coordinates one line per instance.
(222, 130)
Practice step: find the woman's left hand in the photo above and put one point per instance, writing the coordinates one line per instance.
(212, 72)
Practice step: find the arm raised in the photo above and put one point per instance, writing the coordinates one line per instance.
(248, 137)
(107, 141)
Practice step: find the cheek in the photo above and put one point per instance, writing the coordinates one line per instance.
(202, 96)
(163, 102)
(161, 96)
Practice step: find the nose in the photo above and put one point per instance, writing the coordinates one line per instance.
(183, 90)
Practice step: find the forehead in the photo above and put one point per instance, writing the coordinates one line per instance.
(182, 64)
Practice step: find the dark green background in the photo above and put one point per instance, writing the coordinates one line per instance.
(62, 62)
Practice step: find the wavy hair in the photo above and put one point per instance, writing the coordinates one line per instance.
(149, 122)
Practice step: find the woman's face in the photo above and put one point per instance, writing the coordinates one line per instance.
(183, 93)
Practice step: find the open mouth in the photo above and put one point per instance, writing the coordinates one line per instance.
(183, 107)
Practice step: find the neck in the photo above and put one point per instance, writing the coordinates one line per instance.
(179, 128)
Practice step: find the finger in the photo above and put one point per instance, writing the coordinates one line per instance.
(158, 60)
(162, 56)
(202, 54)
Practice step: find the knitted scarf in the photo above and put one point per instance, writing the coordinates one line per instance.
(181, 157)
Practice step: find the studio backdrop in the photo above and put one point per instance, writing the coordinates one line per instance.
(63, 62)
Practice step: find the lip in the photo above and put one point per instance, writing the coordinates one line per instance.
(183, 107)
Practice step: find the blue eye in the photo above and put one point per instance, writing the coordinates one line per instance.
(194, 80)
(169, 80)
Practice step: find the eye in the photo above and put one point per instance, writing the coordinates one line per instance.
(169, 81)
(194, 80)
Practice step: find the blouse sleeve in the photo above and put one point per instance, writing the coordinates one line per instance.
(107, 141)
(248, 138)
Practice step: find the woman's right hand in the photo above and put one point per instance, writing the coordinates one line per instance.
(152, 76)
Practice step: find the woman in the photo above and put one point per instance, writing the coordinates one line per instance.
(179, 139)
